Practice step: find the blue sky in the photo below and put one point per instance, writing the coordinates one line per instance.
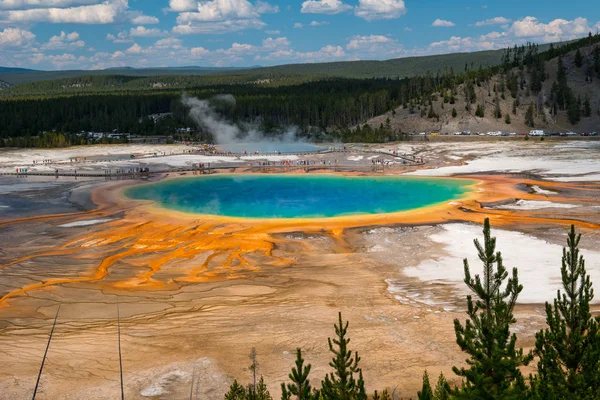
(93, 34)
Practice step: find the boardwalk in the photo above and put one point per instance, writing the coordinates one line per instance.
(256, 165)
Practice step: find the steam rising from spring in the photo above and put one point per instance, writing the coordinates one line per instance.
(204, 113)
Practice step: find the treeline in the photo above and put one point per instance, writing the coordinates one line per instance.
(332, 105)
(51, 140)
(123, 84)
(567, 351)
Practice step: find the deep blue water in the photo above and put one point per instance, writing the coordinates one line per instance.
(293, 196)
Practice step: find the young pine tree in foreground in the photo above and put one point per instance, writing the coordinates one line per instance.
(342, 383)
(494, 360)
(300, 388)
(426, 392)
(569, 349)
(442, 389)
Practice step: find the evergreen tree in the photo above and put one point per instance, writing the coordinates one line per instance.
(497, 110)
(442, 389)
(454, 114)
(261, 393)
(426, 392)
(494, 360)
(573, 110)
(300, 387)
(578, 59)
(384, 396)
(514, 107)
(342, 384)
(507, 119)
(587, 108)
(569, 349)
(479, 111)
(236, 392)
(529, 119)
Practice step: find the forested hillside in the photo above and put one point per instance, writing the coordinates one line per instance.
(529, 87)
(400, 67)
(557, 90)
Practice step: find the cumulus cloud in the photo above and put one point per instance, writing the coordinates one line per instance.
(135, 49)
(107, 12)
(15, 37)
(298, 25)
(441, 23)
(64, 41)
(272, 32)
(319, 23)
(218, 28)
(324, 7)
(169, 43)
(326, 53)
(380, 9)
(221, 16)
(182, 5)
(374, 46)
(121, 37)
(278, 43)
(558, 29)
(519, 32)
(144, 20)
(142, 31)
(493, 21)
(26, 4)
(197, 52)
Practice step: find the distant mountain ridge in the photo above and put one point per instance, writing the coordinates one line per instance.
(398, 67)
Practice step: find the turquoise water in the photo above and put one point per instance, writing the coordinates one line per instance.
(292, 196)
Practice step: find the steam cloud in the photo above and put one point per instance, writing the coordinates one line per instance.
(204, 113)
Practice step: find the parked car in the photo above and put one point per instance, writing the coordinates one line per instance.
(571, 134)
(536, 132)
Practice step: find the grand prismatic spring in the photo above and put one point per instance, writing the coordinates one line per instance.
(293, 196)
(194, 270)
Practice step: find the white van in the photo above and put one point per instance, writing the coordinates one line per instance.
(536, 132)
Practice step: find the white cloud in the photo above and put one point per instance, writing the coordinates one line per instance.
(169, 43)
(374, 46)
(519, 32)
(135, 49)
(144, 20)
(262, 7)
(64, 41)
(407, 29)
(319, 23)
(324, 7)
(272, 32)
(199, 52)
(219, 16)
(122, 37)
(298, 25)
(273, 44)
(15, 37)
(218, 28)
(380, 9)
(362, 42)
(182, 5)
(107, 12)
(558, 29)
(142, 31)
(441, 23)
(493, 21)
(26, 4)
(327, 53)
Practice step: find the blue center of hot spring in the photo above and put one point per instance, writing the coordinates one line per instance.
(292, 196)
